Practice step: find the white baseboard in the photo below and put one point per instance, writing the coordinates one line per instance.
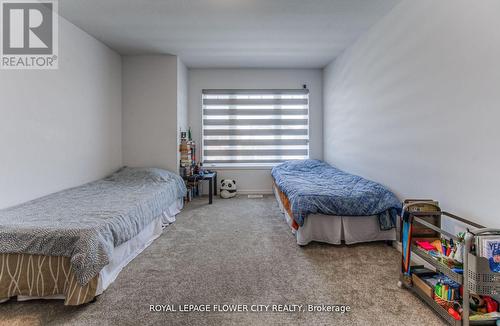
(255, 192)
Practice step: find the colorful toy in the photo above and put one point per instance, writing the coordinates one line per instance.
(455, 314)
(426, 245)
(406, 244)
(491, 305)
(228, 188)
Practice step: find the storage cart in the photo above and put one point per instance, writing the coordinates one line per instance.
(476, 278)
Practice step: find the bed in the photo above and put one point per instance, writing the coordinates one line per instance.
(72, 245)
(322, 203)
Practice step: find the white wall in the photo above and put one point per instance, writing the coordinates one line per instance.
(60, 128)
(150, 111)
(182, 103)
(414, 104)
(256, 180)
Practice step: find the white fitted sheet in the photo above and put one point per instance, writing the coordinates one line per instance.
(335, 229)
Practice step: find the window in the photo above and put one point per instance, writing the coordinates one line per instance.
(255, 127)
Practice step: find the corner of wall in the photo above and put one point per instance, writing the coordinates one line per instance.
(182, 102)
(150, 101)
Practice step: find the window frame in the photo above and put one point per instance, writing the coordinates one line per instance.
(256, 165)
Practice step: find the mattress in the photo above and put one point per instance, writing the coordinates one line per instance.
(29, 277)
(334, 229)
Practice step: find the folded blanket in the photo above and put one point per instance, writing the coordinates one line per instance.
(315, 187)
(86, 223)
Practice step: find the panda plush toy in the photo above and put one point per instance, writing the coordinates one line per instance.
(227, 188)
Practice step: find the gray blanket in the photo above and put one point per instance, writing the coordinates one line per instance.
(86, 223)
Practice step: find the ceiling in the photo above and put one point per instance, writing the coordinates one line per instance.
(229, 33)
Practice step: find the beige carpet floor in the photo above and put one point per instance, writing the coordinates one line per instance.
(240, 251)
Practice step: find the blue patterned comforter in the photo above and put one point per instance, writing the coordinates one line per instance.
(315, 187)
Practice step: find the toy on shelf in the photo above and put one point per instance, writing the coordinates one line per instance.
(187, 149)
(465, 284)
(446, 251)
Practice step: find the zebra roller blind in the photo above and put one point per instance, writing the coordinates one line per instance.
(255, 127)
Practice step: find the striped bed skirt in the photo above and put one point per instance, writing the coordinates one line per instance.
(35, 276)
